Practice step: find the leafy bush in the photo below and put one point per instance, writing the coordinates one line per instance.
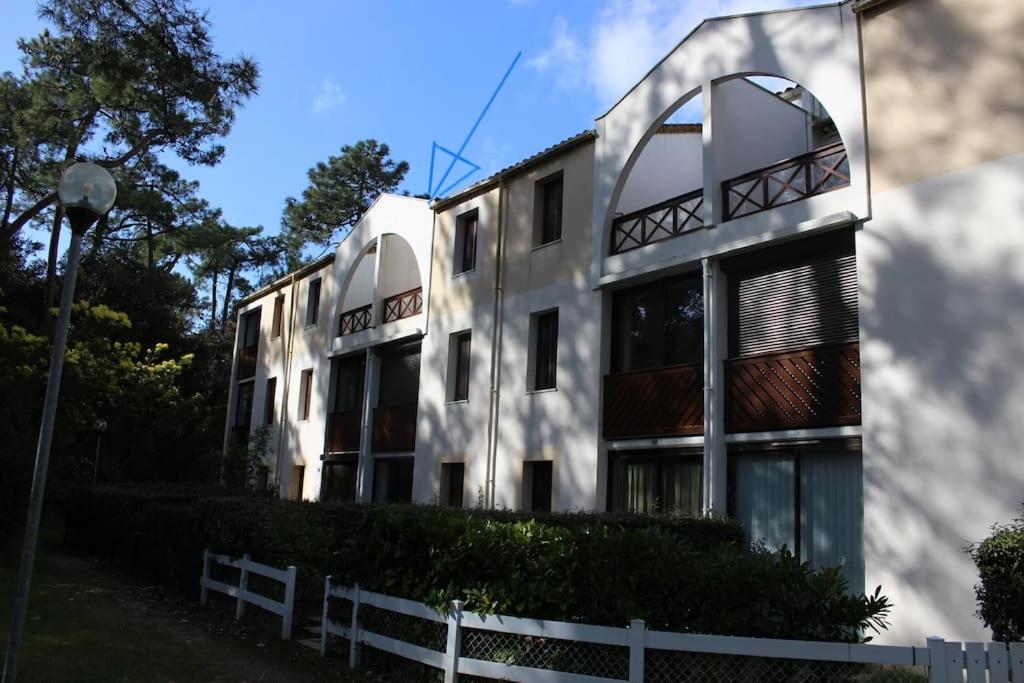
(1000, 560)
(691, 575)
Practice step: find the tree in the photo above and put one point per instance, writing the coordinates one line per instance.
(119, 78)
(339, 193)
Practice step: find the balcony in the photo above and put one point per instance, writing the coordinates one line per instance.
(247, 362)
(799, 177)
(815, 387)
(394, 428)
(356, 320)
(665, 220)
(650, 403)
(343, 432)
(404, 305)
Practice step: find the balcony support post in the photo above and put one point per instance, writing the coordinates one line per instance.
(715, 350)
(711, 209)
(364, 489)
(377, 312)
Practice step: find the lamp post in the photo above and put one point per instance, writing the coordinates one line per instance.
(100, 426)
(86, 191)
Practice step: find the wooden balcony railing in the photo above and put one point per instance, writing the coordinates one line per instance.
(404, 305)
(356, 320)
(343, 432)
(662, 221)
(247, 362)
(817, 172)
(663, 402)
(394, 428)
(815, 387)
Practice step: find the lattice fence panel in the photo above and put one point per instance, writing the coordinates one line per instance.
(664, 666)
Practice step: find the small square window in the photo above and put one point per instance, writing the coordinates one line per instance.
(458, 364)
(548, 210)
(313, 303)
(465, 243)
(544, 345)
(453, 476)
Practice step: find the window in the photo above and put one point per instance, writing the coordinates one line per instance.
(298, 479)
(807, 498)
(306, 398)
(453, 476)
(339, 480)
(243, 406)
(458, 360)
(392, 480)
(251, 329)
(658, 325)
(268, 405)
(545, 350)
(348, 385)
(537, 485)
(275, 330)
(465, 242)
(548, 210)
(313, 303)
(656, 482)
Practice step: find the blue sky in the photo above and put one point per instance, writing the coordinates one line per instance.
(407, 73)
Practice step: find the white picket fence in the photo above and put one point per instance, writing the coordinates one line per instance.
(517, 649)
(246, 566)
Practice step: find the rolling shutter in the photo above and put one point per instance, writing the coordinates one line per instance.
(399, 378)
(795, 305)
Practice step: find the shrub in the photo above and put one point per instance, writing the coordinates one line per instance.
(1000, 561)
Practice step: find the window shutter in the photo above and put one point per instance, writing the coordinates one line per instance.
(399, 379)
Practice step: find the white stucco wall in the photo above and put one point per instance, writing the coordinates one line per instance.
(399, 271)
(669, 166)
(359, 289)
(941, 270)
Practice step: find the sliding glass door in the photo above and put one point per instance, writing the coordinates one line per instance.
(657, 482)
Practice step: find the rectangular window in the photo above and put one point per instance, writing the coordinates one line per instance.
(809, 499)
(251, 329)
(313, 303)
(268, 405)
(459, 362)
(298, 479)
(537, 485)
(452, 482)
(339, 480)
(465, 242)
(348, 384)
(657, 482)
(306, 397)
(275, 330)
(545, 350)
(549, 210)
(243, 406)
(392, 480)
(658, 325)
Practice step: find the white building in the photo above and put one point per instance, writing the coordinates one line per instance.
(805, 311)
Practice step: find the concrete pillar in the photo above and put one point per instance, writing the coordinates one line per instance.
(715, 350)
(364, 493)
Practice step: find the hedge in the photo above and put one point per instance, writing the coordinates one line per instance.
(690, 575)
(1000, 561)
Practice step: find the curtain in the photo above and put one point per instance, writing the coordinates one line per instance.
(683, 481)
(641, 487)
(765, 499)
(832, 513)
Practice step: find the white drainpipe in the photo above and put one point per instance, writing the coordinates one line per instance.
(495, 383)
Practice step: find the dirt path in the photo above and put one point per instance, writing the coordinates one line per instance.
(88, 624)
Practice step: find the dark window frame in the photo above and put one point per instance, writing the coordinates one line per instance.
(306, 386)
(659, 459)
(313, 302)
(452, 494)
(545, 350)
(467, 230)
(549, 193)
(461, 358)
(251, 323)
(269, 400)
(530, 471)
(243, 388)
(277, 322)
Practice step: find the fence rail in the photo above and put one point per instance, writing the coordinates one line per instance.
(403, 305)
(246, 566)
(356, 320)
(662, 221)
(518, 649)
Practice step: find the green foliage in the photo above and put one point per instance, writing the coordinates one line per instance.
(1000, 561)
(691, 576)
(339, 193)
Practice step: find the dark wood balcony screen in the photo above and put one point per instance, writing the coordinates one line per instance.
(665, 220)
(806, 175)
(247, 361)
(356, 320)
(343, 432)
(816, 387)
(394, 428)
(404, 305)
(664, 402)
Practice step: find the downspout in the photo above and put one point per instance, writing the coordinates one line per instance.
(495, 383)
(282, 440)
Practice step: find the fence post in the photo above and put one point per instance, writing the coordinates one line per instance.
(324, 635)
(637, 644)
(1017, 661)
(353, 633)
(453, 648)
(289, 604)
(243, 585)
(204, 592)
(936, 660)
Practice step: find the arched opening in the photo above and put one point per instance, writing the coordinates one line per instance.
(357, 294)
(399, 285)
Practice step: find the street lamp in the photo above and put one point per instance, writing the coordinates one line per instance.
(86, 192)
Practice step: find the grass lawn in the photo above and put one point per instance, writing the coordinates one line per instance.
(87, 624)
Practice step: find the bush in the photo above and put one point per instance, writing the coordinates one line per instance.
(690, 575)
(1000, 561)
